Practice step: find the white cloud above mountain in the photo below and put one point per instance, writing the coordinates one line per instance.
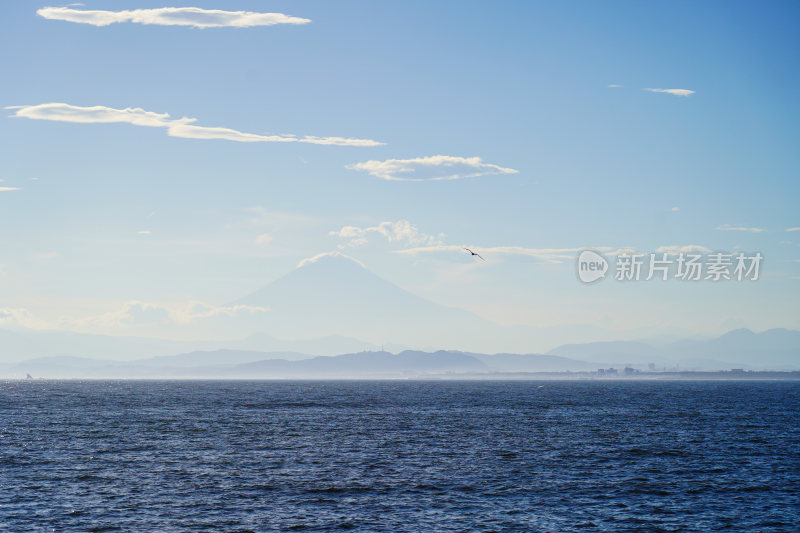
(402, 231)
(323, 255)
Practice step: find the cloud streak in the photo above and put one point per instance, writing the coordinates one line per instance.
(689, 248)
(551, 255)
(432, 168)
(193, 17)
(19, 316)
(133, 313)
(180, 127)
(8, 189)
(731, 227)
(675, 92)
(138, 313)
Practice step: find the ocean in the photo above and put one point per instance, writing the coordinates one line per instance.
(399, 456)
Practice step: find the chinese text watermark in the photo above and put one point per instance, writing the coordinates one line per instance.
(716, 266)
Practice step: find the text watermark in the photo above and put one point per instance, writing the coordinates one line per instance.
(715, 266)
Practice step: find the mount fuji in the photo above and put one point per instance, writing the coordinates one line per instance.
(333, 294)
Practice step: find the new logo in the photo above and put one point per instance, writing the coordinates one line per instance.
(591, 266)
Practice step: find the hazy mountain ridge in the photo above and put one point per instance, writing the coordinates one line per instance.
(773, 349)
(371, 364)
(228, 364)
(776, 350)
(24, 344)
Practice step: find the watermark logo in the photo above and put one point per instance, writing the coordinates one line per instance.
(591, 266)
(634, 266)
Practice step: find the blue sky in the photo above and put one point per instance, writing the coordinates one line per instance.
(109, 213)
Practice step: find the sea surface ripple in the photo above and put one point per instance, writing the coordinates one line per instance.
(399, 456)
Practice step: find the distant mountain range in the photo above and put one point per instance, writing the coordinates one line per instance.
(777, 349)
(20, 344)
(770, 350)
(230, 364)
(220, 364)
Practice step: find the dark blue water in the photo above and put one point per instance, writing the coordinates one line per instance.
(399, 456)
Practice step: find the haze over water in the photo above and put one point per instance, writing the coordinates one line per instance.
(399, 456)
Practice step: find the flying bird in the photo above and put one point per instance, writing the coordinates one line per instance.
(473, 253)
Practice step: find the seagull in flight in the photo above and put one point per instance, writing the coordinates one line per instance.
(473, 253)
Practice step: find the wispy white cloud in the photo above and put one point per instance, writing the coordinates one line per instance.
(8, 189)
(623, 251)
(792, 229)
(401, 231)
(673, 249)
(96, 114)
(199, 310)
(194, 17)
(613, 86)
(318, 257)
(689, 248)
(552, 255)
(19, 316)
(675, 209)
(437, 167)
(732, 227)
(264, 238)
(144, 232)
(180, 127)
(676, 92)
(142, 313)
(138, 313)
